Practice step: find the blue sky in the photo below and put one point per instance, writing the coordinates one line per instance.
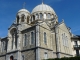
(69, 10)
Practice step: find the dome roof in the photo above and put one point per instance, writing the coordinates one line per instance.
(43, 7)
(23, 10)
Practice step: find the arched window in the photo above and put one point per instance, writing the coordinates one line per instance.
(45, 38)
(3, 46)
(33, 17)
(25, 40)
(11, 58)
(14, 38)
(23, 57)
(52, 16)
(17, 19)
(28, 19)
(44, 15)
(41, 16)
(45, 55)
(32, 37)
(22, 18)
(37, 16)
(48, 16)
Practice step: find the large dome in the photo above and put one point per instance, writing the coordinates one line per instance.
(23, 10)
(43, 8)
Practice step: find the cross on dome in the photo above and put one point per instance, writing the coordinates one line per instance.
(42, 1)
(24, 4)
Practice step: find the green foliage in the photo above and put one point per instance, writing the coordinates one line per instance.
(65, 58)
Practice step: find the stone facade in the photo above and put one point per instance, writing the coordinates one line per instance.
(36, 36)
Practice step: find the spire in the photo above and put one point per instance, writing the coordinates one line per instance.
(24, 5)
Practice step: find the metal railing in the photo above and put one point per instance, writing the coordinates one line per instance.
(76, 46)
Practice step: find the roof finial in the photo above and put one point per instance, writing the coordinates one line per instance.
(24, 5)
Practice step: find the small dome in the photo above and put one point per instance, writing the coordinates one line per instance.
(23, 10)
(43, 7)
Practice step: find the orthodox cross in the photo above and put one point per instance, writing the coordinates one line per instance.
(24, 5)
(42, 1)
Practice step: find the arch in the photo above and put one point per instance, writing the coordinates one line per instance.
(28, 19)
(22, 17)
(25, 39)
(23, 57)
(17, 19)
(33, 17)
(37, 16)
(3, 46)
(53, 16)
(13, 30)
(13, 33)
(44, 15)
(11, 58)
(32, 37)
(41, 15)
(48, 15)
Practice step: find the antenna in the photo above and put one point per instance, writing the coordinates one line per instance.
(24, 5)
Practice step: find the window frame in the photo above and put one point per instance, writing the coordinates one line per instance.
(33, 38)
(23, 57)
(49, 16)
(22, 18)
(37, 16)
(25, 39)
(41, 16)
(45, 38)
(45, 55)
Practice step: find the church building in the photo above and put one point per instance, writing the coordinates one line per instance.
(37, 35)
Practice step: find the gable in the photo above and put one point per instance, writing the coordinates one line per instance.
(44, 24)
(64, 28)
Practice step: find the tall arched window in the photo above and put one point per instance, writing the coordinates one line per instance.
(14, 38)
(32, 37)
(45, 55)
(11, 58)
(33, 17)
(22, 18)
(41, 16)
(45, 38)
(52, 16)
(3, 46)
(48, 16)
(37, 16)
(25, 40)
(28, 19)
(17, 19)
(44, 15)
(23, 57)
